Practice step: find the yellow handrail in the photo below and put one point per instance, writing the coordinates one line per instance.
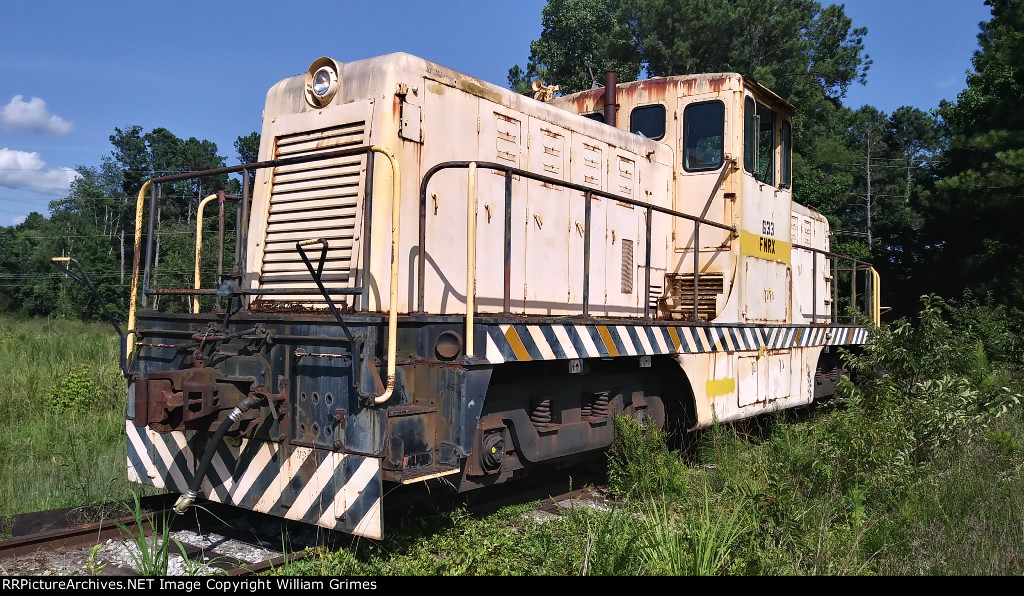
(876, 298)
(199, 247)
(393, 306)
(139, 208)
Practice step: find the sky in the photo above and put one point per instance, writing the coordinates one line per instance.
(73, 71)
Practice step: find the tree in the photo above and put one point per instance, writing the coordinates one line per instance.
(248, 148)
(789, 46)
(973, 227)
(581, 40)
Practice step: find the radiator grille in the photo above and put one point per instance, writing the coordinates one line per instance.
(679, 302)
(320, 199)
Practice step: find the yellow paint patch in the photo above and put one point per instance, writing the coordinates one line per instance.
(720, 387)
(517, 345)
(479, 91)
(606, 336)
(765, 247)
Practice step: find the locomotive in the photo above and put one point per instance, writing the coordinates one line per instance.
(440, 280)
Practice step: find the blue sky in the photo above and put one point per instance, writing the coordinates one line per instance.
(72, 71)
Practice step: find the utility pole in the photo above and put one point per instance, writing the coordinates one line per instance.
(868, 167)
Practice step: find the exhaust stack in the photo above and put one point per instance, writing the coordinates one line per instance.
(611, 79)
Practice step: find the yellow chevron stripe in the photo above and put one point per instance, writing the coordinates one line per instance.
(608, 342)
(675, 338)
(516, 344)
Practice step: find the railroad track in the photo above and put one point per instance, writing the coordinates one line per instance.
(217, 540)
(209, 540)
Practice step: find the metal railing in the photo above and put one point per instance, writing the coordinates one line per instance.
(872, 286)
(588, 195)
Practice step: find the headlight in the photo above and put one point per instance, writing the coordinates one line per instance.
(322, 82)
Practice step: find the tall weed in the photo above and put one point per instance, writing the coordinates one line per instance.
(640, 463)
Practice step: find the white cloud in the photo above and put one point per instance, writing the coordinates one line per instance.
(24, 170)
(17, 221)
(31, 116)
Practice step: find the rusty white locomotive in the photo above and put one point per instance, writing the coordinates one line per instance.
(440, 280)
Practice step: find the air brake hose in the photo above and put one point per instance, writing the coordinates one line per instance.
(211, 448)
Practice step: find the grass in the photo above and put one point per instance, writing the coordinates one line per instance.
(62, 415)
(919, 471)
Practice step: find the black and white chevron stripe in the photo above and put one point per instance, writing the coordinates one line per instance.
(561, 342)
(334, 490)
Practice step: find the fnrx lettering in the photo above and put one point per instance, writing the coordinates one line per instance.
(767, 245)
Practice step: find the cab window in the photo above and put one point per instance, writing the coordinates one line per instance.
(759, 141)
(703, 136)
(648, 121)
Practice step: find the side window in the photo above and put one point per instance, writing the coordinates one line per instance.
(787, 155)
(749, 128)
(703, 136)
(648, 121)
(595, 116)
(759, 141)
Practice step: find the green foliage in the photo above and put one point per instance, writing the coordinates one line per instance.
(52, 458)
(639, 462)
(916, 470)
(973, 222)
(92, 565)
(95, 223)
(698, 543)
(75, 391)
(580, 41)
(150, 555)
(923, 389)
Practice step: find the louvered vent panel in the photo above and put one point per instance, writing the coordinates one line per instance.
(679, 302)
(319, 199)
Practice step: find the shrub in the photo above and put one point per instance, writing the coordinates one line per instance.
(75, 391)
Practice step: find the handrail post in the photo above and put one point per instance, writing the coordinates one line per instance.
(396, 197)
(140, 204)
(853, 290)
(364, 297)
(867, 292)
(199, 246)
(814, 287)
(647, 270)
(834, 318)
(696, 269)
(470, 258)
(586, 254)
(877, 287)
(220, 241)
(507, 292)
(154, 193)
